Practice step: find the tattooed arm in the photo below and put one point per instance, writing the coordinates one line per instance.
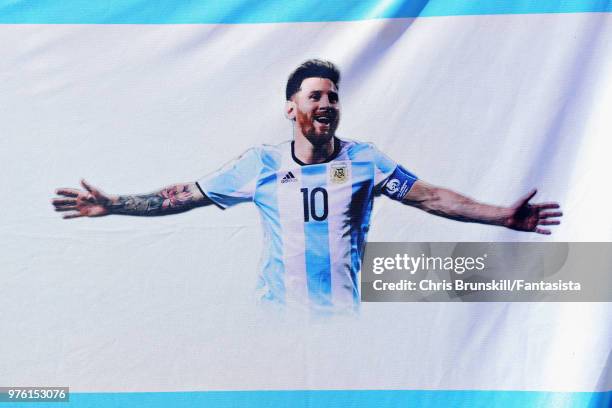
(92, 202)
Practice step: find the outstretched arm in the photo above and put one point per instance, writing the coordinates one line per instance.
(92, 202)
(521, 216)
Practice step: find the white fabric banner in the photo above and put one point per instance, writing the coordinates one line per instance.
(490, 106)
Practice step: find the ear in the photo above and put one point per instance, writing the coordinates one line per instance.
(290, 108)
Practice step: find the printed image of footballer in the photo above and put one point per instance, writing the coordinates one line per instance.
(315, 195)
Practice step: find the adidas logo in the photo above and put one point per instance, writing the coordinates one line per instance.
(289, 178)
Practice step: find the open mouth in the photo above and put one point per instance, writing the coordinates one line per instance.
(324, 119)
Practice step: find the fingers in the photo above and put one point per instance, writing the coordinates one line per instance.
(525, 199)
(530, 195)
(546, 206)
(549, 222)
(73, 215)
(551, 214)
(545, 221)
(66, 208)
(95, 194)
(74, 201)
(68, 192)
(65, 204)
(87, 186)
(63, 201)
(544, 218)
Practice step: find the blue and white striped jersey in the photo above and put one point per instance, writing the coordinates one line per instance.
(315, 216)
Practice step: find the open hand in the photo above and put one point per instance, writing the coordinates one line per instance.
(90, 202)
(529, 217)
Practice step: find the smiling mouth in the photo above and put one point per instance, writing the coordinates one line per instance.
(324, 119)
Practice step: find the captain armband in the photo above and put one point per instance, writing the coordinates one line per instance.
(398, 184)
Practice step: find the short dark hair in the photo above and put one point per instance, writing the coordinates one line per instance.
(313, 68)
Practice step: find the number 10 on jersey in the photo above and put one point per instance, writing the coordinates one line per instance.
(311, 210)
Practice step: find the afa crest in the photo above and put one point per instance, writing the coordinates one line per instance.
(339, 173)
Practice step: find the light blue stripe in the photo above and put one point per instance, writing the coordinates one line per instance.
(361, 208)
(273, 269)
(334, 399)
(269, 11)
(316, 239)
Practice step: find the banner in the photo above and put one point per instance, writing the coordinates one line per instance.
(486, 100)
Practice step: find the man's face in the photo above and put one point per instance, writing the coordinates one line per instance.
(316, 110)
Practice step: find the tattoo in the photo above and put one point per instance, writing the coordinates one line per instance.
(170, 200)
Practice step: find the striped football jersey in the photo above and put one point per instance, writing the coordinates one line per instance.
(315, 216)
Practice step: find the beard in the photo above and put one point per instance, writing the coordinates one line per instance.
(316, 133)
(319, 140)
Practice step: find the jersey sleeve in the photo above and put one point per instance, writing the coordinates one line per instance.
(391, 179)
(235, 182)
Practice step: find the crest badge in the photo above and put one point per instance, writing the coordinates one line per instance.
(339, 173)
